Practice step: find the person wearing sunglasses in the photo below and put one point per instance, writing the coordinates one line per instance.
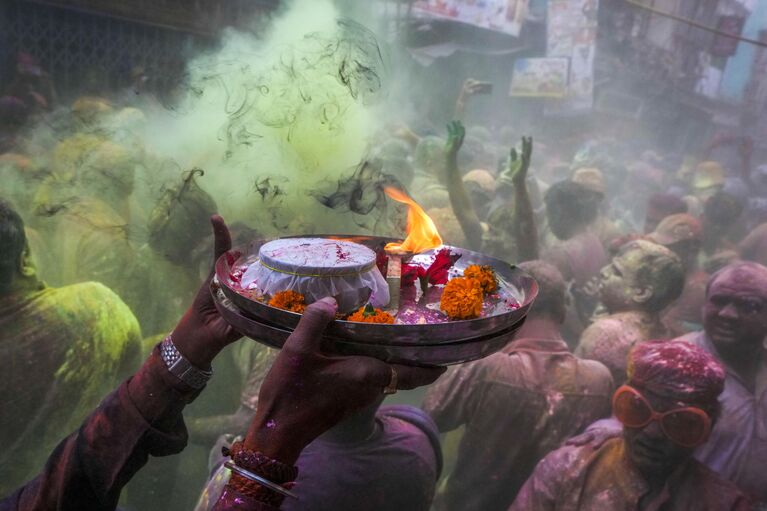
(667, 409)
(734, 331)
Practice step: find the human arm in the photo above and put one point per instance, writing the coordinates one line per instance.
(306, 393)
(525, 231)
(142, 417)
(470, 87)
(459, 197)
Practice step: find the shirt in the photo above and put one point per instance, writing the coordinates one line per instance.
(609, 339)
(737, 447)
(63, 349)
(517, 406)
(396, 468)
(589, 478)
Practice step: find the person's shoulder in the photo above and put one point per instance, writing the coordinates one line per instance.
(603, 329)
(406, 419)
(94, 304)
(597, 374)
(715, 486)
(571, 458)
(695, 338)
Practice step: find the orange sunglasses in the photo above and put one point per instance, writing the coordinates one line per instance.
(688, 426)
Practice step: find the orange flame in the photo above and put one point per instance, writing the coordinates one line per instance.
(421, 232)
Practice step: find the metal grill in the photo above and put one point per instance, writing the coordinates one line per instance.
(90, 53)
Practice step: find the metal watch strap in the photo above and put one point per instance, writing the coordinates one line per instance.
(180, 367)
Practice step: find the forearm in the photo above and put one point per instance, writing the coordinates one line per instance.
(461, 204)
(273, 439)
(525, 231)
(89, 468)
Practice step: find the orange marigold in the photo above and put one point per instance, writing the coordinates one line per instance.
(289, 300)
(484, 274)
(368, 314)
(462, 298)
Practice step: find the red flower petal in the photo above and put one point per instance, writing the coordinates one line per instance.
(437, 272)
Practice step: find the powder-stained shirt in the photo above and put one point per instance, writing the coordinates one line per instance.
(609, 338)
(517, 406)
(737, 447)
(590, 478)
(63, 349)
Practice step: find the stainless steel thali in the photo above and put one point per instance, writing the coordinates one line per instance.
(417, 342)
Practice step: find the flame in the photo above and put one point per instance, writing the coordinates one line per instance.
(421, 232)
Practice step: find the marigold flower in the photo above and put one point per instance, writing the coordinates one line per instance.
(462, 298)
(368, 314)
(289, 301)
(484, 274)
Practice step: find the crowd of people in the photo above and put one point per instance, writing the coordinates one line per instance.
(637, 382)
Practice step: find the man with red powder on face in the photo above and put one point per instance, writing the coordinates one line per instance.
(735, 327)
(667, 408)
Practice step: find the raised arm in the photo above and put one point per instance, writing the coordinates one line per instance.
(459, 198)
(525, 231)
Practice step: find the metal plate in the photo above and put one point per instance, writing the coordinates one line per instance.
(498, 316)
(441, 354)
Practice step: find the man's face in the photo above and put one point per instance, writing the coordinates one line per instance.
(616, 281)
(648, 448)
(735, 313)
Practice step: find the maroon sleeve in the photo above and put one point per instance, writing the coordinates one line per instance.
(89, 468)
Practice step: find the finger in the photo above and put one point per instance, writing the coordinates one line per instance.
(307, 336)
(410, 377)
(223, 240)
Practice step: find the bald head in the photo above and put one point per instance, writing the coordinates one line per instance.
(745, 274)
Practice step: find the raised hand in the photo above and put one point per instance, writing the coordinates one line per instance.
(518, 166)
(202, 333)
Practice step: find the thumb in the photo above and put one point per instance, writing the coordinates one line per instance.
(222, 238)
(308, 334)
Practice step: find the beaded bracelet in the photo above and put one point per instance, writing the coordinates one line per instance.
(258, 476)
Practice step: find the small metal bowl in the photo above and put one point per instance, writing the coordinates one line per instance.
(423, 354)
(500, 318)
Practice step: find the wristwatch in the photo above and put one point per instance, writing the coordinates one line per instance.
(181, 368)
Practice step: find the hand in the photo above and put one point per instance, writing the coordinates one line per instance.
(597, 435)
(471, 87)
(202, 333)
(455, 135)
(518, 167)
(306, 393)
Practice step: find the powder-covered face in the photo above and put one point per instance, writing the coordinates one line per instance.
(648, 448)
(617, 281)
(735, 313)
